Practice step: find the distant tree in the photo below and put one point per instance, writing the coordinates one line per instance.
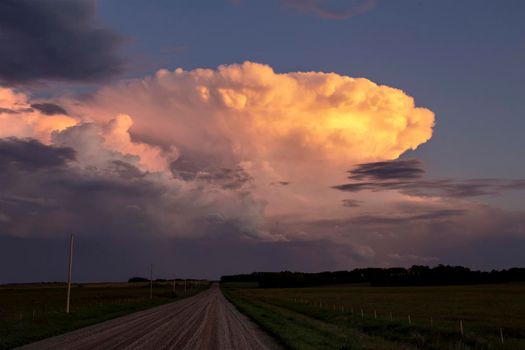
(417, 275)
(137, 279)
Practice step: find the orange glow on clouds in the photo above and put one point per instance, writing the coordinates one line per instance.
(262, 115)
(17, 118)
(304, 129)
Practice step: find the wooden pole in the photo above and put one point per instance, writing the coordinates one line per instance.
(70, 265)
(501, 335)
(461, 327)
(151, 282)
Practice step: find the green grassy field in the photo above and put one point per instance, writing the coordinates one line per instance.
(330, 317)
(35, 311)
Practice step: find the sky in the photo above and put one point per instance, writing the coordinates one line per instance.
(230, 136)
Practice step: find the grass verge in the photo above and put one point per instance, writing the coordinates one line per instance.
(296, 330)
(330, 317)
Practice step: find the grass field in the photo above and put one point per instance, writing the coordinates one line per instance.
(330, 317)
(35, 311)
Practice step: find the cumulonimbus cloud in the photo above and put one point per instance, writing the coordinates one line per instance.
(249, 112)
(239, 151)
(233, 133)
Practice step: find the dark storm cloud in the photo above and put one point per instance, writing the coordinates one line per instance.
(186, 167)
(228, 178)
(392, 170)
(31, 154)
(47, 193)
(332, 9)
(407, 176)
(200, 169)
(126, 170)
(49, 108)
(51, 201)
(54, 40)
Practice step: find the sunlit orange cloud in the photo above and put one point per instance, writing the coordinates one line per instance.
(151, 158)
(293, 134)
(17, 118)
(254, 112)
(305, 128)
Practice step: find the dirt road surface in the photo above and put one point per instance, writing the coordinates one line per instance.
(204, 321)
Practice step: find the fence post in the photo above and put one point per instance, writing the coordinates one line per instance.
(390, 315)
(409, 320)
(501, 335)
(461, 327)
(375, 314)
(70, 263)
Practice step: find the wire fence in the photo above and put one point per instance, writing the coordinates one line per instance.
(366, 315)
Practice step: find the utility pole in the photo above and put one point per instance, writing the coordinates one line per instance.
(71, 238)
(151, 282)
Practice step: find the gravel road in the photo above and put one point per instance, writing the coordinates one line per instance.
(204, 321)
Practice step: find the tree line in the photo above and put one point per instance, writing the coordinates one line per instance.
(416, 275)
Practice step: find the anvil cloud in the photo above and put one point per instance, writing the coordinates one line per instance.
(252, 113)
(239, 144)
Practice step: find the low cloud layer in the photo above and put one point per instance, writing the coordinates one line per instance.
(56, 40)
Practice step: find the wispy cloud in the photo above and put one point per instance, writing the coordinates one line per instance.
(426, 215)
(407, 177)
